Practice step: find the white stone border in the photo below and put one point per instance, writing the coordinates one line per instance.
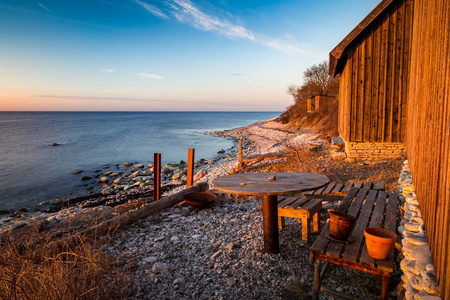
(419, 276)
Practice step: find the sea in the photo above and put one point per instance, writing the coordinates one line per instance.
(32, 171)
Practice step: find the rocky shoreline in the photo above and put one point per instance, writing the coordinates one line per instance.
(132, 181)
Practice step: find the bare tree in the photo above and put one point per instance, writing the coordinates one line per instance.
(319, 82)
(316, 81)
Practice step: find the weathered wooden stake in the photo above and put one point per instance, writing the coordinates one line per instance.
(241, 163)
(156, 176)
(190, 170)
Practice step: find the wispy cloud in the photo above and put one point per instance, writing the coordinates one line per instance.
(41, 5)
(236, 74)
(185, 12)
(150, 76)
(282, 46)
(152, 9)
(109, 70)
(39, 11)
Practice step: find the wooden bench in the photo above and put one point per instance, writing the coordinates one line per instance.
(369, 207)
(340, 189)
(306, 209)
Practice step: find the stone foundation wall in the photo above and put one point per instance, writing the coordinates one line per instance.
(374, 151)
(419, 276)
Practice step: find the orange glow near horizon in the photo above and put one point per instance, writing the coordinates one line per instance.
(30, 102)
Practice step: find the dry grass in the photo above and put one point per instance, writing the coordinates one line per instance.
(37, 265)
(324, 121)
(307, 159)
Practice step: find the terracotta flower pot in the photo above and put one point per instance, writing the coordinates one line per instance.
(379, 242)
(199, 198)
(340, 225)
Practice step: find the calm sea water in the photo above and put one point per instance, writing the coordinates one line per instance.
(33, 171)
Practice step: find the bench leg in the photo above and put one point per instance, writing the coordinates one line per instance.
(316, 222)
(316, 287)
(306, 229)
(384, 287)
(281, 222)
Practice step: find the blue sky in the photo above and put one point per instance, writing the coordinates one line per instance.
(151, 55)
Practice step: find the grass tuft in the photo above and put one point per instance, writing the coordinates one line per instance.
(38, 266)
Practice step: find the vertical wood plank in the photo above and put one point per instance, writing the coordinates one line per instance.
(398, 75)
(390, 66)
(383, 81)
(366, 127)
(375, 84)
(361, 94)
(353, 99)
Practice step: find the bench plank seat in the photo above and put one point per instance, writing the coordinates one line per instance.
(340, 189)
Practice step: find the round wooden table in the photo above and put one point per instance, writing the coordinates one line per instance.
(269, 185)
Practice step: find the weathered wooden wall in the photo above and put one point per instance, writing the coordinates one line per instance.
(373, 87)
(428, 137)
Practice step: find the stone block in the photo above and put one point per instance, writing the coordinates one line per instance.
(417, 282)
(336, 140)
(423, 257)
(339, 156)
(423, 295)
(412, 226)
(429, 282)
(409, 267)
(415, 238)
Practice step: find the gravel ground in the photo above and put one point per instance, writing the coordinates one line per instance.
(217, 253)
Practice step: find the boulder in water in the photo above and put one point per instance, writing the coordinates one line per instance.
(103, 180)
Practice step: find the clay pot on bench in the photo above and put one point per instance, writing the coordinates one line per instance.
(341, 225)
(379, 242)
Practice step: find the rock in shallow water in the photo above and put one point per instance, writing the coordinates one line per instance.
(103, 180)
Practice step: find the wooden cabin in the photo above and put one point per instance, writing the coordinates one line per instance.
(395, 88)
(313, 102)
(428, 128)
(373, 62)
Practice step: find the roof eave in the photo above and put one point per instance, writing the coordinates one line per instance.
(337, 54)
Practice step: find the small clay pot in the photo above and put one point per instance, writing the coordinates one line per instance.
(379, 242)
(199, 198)
(341, 225)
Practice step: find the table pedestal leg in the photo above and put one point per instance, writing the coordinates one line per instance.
(270, 224)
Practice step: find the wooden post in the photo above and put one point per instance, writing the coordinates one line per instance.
(317, 100)
(241, 163)
(190, 169)
(156, 176)
(270, 223)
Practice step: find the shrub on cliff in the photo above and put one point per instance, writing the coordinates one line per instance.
(316, 81)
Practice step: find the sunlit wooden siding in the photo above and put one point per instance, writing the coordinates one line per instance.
(373, 86)
(428, 136)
